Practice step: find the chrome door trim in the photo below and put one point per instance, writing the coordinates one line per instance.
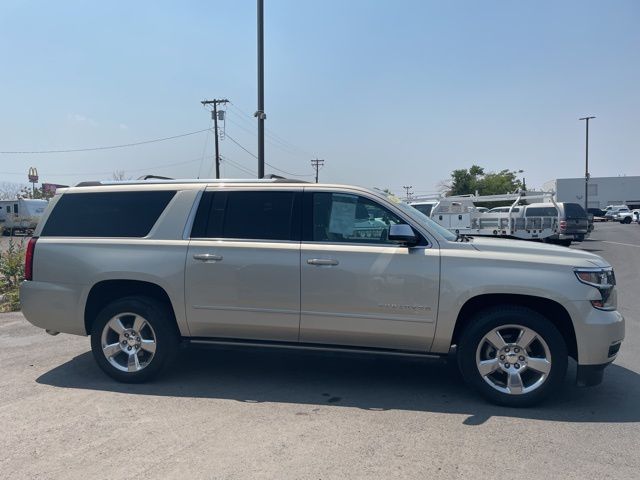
(371, 316)
(245, 309)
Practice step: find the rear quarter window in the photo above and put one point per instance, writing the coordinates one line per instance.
(106, 214)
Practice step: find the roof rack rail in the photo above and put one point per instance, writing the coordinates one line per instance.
(154, 177)
(279, 178)
(147, 179)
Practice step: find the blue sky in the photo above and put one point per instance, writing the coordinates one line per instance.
(389, 93)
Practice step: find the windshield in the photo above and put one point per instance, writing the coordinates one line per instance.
(421, 217)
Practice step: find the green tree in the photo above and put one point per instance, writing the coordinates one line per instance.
(29, 192)
(474, 179)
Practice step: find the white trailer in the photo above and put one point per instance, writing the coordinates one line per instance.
(21, 215)
(461, 215)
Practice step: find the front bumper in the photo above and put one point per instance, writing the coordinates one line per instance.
(599, 335)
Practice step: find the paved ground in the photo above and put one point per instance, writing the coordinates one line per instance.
(225, 414)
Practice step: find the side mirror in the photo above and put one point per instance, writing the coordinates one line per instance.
(403, 234)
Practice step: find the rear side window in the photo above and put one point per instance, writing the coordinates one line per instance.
(260, 215)
(541, 212)
(573, 210)
(106, 214)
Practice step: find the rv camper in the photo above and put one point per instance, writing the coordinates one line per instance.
(20, 215)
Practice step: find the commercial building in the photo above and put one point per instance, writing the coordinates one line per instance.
(603, 191)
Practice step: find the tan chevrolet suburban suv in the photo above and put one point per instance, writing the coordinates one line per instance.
(143, 266)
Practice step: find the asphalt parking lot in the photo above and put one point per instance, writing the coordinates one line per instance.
(267, 414)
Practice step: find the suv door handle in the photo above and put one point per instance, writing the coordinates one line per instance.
(322, 261)
(207, 257)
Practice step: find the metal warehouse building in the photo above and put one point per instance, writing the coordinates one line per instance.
(603, 191)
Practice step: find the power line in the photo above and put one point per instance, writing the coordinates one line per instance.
(91, 149)
(269, 132)
(266, 163)
(239, 166)
(204, 151)
(78, 174)
(282, 147)
(407, 189)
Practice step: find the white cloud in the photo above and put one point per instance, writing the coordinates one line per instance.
(80, 118)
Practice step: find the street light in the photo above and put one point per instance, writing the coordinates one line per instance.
(586, 165)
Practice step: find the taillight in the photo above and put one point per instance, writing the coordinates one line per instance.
(563, 224)
(28, 261)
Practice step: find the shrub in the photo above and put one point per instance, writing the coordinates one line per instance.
(11, 274)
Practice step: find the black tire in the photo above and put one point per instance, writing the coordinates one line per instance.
(163, 328)
(496, 317)
(627, 220)
(565, 243)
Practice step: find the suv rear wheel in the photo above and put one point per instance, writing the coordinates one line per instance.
(133, 338)
(513, 356)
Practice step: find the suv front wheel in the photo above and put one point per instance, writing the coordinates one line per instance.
(512, 355)
(133, 338)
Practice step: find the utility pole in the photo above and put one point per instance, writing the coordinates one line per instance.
(317, 163)
(407, 189)
(260, 115)
(214, 115)
(586, 165)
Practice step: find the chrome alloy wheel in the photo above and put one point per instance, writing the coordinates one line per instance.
(128, 342)
(513, 359)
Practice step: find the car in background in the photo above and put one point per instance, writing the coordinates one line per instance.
(612, 212)
(573, 221)
(628, 217)
(597, 213)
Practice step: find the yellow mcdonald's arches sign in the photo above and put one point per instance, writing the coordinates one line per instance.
(33, 174)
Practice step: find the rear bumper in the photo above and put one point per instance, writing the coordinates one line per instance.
(579, 236)
(53, 306)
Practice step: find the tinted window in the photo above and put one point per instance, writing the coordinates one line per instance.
(265, 215)
(426, 209)
(541, 212)
(339, 217)
(573, 210)
(108, 214)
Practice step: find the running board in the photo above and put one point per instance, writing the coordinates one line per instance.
(308, 346)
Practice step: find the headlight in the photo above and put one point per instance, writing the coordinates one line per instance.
(601, 278)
